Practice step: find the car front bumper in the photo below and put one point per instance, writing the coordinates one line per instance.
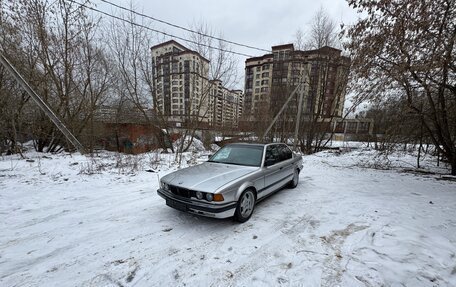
(223, 210)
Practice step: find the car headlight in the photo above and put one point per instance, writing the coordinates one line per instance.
(199, 195)
(209, 197)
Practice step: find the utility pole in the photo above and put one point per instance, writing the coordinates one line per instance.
(281, 111)
(43, 106)
(298, 118)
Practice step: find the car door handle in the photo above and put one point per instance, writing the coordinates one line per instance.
(281, 167)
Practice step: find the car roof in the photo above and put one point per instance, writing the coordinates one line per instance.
(254, 143)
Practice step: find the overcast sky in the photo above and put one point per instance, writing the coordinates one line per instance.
(261, 23)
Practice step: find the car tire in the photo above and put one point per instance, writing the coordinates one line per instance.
(245, 206)
(294, 182)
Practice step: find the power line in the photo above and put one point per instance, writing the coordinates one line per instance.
(184, 28)
(158, 31)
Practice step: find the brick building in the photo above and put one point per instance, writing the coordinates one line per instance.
(271, 78)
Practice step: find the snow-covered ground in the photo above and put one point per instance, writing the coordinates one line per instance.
(66, 220)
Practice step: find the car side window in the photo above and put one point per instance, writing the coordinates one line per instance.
(285, 152)
(272, 155)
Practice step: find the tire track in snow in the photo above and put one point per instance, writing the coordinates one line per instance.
(332, 269)
(183, 252)
(268, 253)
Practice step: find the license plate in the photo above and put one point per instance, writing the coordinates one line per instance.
(177, 205)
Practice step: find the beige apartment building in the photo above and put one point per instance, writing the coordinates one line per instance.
(258, 81)
(180, 81)
(226, 106)
(184, 94)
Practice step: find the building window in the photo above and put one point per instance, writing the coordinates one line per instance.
(175, 68)
(363, 127)
(351, 127)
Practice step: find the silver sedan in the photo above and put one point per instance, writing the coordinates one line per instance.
(232, 181)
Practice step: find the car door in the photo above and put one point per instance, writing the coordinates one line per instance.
(286, 156)
(274, 173)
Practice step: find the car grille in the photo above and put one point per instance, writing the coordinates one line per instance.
(187, 193)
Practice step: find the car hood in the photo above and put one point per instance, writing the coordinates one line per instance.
(207, 177)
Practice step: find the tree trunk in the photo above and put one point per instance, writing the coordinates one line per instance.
(421, 143)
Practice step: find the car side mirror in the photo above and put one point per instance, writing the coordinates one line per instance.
(209, 156)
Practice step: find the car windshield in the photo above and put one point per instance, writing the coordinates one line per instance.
(249, 155)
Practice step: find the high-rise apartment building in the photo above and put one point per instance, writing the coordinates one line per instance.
(226, 106)
(180, 81)
(271, 78)
(184, 93)
(258, 80)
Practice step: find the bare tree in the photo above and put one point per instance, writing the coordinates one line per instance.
(324, 77)
(327, 89)
(12, 99)
(411, 44)
(65, 65)
(129, 48)
(299, 40)
(222, 67)
(129, 44)
(223, 64)
(322, 32)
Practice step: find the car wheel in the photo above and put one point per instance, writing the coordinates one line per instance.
(245, 206)
(294, 182)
